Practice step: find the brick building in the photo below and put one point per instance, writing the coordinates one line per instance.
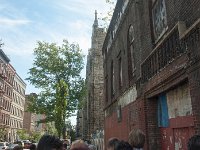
(12, 92)
(5, 94)
(17, 106)
(41, 127)
(29, 122)
(92, 118)
(152, 71)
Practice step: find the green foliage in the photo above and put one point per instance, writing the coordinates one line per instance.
(56, 70)
(60, 107)
(50, 129)
(106, 19)
(3, 131)
(35, 136)
(83, 94)
(73, 134)
(23, 134)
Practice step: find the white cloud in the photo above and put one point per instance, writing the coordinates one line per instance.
(13, 22)
(83, 7)
(79, 25)
(69, 19)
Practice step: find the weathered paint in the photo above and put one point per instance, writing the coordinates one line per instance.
(167, 138)
(132, 117)
(128, 97)
(176, 136)
(181, 122)
(179, 102)
(163, 118)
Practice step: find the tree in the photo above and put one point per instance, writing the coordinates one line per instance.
(60, 107)
(3, 132)
(50, 128)
(106, 19)
(56, 71)
(35, 136)
(83, 96)
(23, 134)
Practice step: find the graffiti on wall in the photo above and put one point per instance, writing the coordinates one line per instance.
(159, 16)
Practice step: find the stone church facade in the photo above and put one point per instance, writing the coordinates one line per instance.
(91, 117)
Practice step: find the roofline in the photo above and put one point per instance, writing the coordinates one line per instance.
(5, 57)
(16, 74)
(112, 24)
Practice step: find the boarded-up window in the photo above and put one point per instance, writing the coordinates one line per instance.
(179, 102)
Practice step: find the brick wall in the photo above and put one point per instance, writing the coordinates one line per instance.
(182, 68)
(132, 116)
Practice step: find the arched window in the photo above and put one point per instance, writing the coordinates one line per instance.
(131, 56)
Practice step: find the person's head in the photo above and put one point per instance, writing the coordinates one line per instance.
(194, 143)
(92, 147)
(112, 143)
(49, 142)
(18, 147)
(32, 147)
(79, 145)
(136, 138)
(122, 145)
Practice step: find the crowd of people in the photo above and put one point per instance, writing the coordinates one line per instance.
(135, 141)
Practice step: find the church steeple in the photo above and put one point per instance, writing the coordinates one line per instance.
(96, 20)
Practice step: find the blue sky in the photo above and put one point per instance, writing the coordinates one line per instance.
(24, 22)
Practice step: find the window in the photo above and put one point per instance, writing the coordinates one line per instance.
(120, 73)
(119, 113)
(131, 57)
(106, 89)
(159, 17)
(112, 80)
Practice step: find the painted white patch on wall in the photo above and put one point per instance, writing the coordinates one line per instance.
(179, 102)
(128, 97)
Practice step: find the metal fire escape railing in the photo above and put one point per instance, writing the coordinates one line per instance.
(166, 51)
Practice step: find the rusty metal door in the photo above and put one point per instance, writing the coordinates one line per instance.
(167, 139)
(181, 137)
(175, 139)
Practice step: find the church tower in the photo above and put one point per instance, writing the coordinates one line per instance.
(93, 123)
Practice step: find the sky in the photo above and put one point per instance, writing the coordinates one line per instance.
(24, 22)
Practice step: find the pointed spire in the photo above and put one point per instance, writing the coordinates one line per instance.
(96, 20)
(95, 15)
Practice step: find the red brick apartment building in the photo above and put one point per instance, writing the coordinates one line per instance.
(152, 72)
(12, 97)
(29, 121)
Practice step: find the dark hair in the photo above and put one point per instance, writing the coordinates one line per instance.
(112, 142)
(194, 143)
(32, 147)
(18, 147)
(49, 142)
(122, 145)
